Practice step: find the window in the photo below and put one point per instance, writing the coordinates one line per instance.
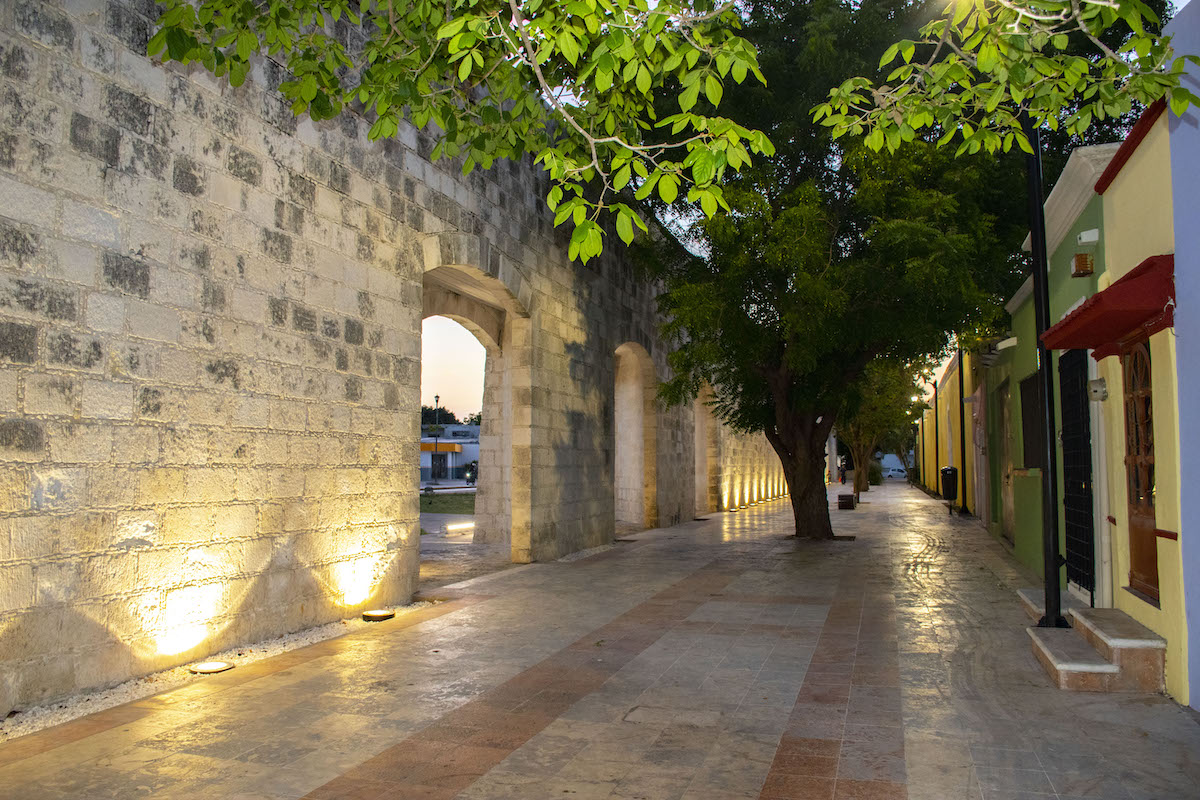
(1033, 427)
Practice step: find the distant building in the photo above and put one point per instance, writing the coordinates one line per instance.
(457, 446)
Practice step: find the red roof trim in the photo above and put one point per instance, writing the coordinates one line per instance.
(1143, 126)
(1140, 303)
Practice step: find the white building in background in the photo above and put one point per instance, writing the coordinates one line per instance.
(457, 446)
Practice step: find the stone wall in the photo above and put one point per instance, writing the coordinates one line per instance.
(209, 358)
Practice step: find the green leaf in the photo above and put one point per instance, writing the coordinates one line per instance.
(668, 188)
(713, 90)
(621, 179)
(687, 98)
(643, 79)
(625, 227)
(247, 43)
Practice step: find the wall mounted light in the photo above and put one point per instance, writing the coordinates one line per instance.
(378, 614)
(210, 667)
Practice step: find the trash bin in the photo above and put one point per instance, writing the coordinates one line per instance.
(950, 483)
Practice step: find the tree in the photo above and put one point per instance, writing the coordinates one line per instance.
(831, 255)
(474, 419)
(438, 416)
(901, 442)
(571, 82)
(880, 405)
(989, 71)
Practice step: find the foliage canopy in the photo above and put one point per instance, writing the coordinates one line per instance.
(573, 83)
(984, 70)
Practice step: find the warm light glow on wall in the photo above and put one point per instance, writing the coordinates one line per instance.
(354, 581)
(187, 615)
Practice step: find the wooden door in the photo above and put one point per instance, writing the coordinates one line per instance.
(1139, 470)
(1008, 506)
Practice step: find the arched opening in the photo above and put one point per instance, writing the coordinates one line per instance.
(634, 428)
(452, 373)
(475, 302)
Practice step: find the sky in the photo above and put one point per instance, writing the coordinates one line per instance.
(451, 366)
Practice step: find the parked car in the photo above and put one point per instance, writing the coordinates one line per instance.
(895, 472)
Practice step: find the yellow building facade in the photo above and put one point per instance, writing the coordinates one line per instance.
(1139, 225)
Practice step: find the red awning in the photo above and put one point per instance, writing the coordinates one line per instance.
(1141, 301)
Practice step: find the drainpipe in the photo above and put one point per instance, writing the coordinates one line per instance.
(1041, 303)
(962, 433)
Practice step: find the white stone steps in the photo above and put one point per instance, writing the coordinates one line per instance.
(1116, 629)
(1071, 662)
(1033, 600)
(1137, 651)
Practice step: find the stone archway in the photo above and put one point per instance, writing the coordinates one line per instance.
(464, 282)
(635, 425)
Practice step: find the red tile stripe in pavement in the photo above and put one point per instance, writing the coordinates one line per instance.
(45, 740)
(845, 736)
(460, 747)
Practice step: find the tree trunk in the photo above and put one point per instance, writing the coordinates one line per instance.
(862, 468)
(804, 471)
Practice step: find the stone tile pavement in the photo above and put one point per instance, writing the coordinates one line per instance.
(710, 661)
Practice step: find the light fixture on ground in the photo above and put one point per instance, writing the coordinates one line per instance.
(378, 614)
(210, 667)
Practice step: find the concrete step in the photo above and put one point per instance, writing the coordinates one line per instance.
(1138, 652)
(1072, 663)
(1033, 600)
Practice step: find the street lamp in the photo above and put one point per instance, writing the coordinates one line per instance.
(1052, 562)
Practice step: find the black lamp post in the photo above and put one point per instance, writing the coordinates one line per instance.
(1041, 301)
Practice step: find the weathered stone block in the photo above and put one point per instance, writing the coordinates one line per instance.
(16, 587)
(96, 139)
(189, 176)
(58, 489)
(72, 443)
(18, 343)
(107, 399)
(126, 274)
(72, 350)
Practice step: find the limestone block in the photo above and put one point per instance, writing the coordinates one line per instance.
(107, 399)
(24, 203)
(104, 666)
(187, 525)
(16, 587)
(53, 394)
(72, 262)
(212, 485)
(56, 582)
(72, 443)
(137, 444)
(153, 321)
(137, 529)
(89, 224)
(235, 521)
(58, 489)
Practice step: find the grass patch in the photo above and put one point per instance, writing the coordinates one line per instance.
(448, 504)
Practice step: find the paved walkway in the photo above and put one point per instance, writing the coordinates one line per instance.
(451, 556)
(710, 661)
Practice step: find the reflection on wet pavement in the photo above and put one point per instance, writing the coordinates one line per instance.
(717, 659)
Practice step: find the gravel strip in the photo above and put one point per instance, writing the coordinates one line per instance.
(30, 720)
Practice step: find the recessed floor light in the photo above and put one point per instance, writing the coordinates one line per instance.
(210, 667)
(378, 614)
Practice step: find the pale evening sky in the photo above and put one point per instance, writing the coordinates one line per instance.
(451, 366)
